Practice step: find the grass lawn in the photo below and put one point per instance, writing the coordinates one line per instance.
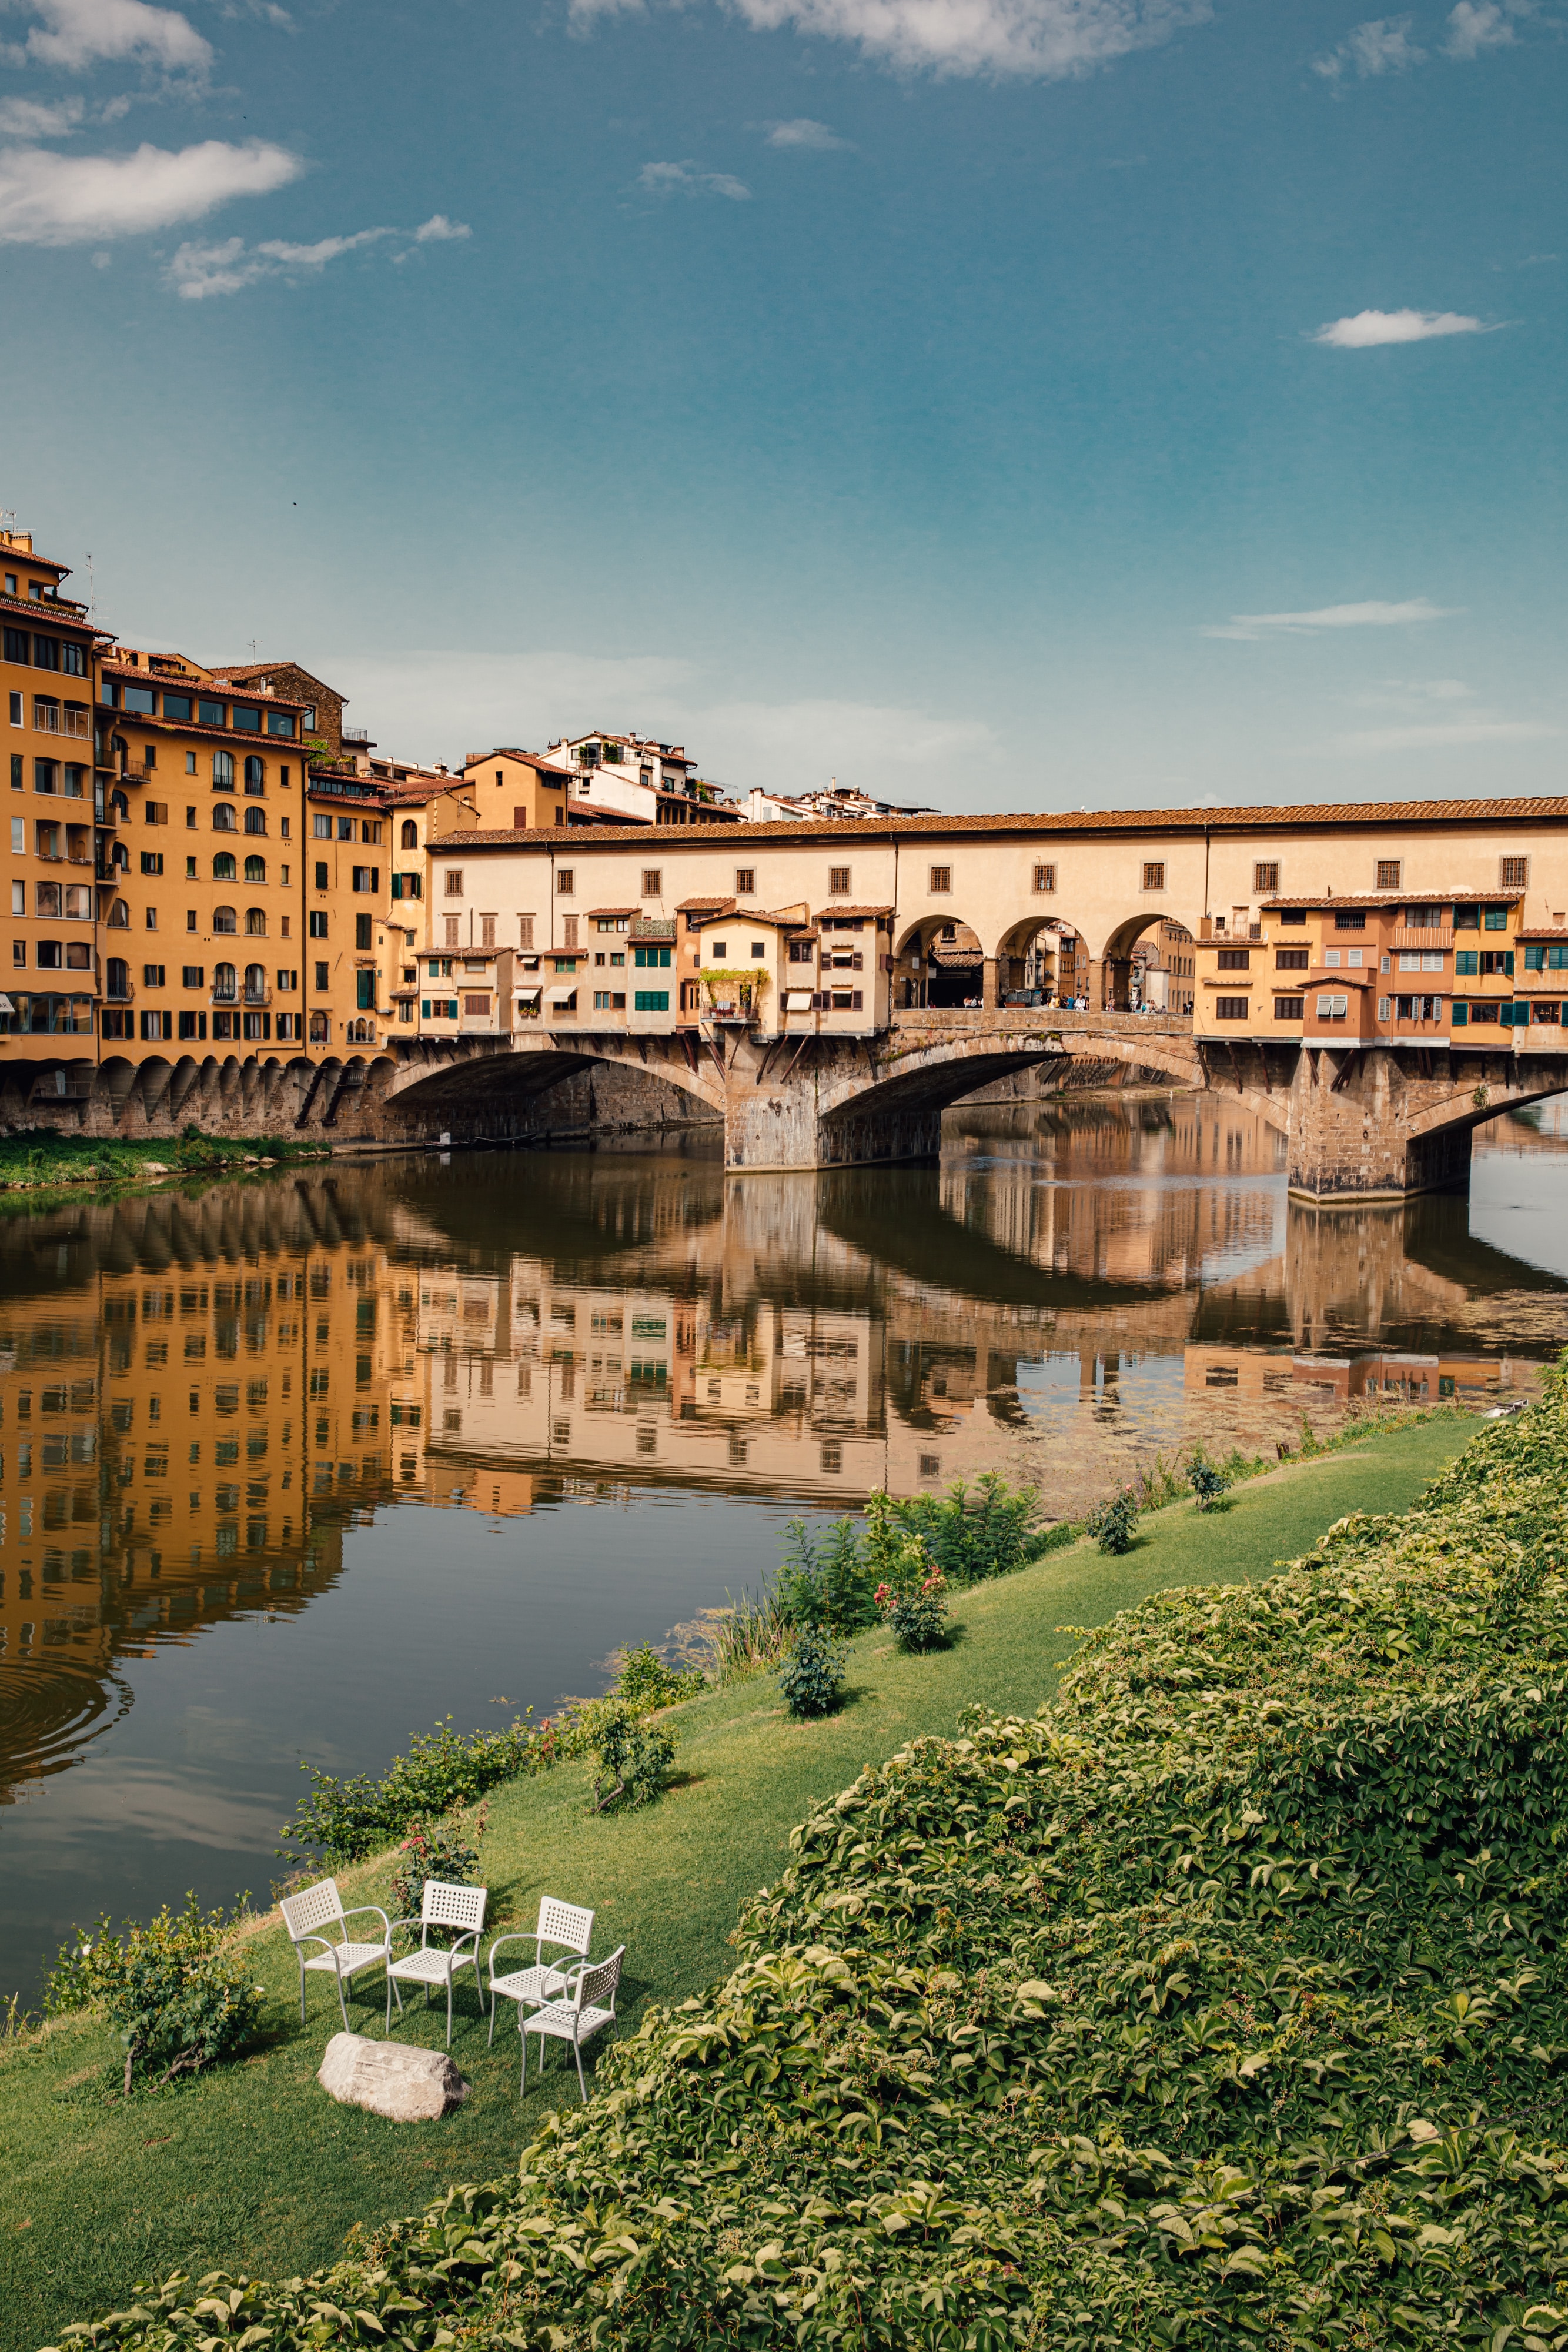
(40, 1161)
(256, 2169)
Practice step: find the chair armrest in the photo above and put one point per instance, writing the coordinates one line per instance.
(362, 1910)
(469, 1936)
(520, 1936)
(326, 1942)
(393, 1925)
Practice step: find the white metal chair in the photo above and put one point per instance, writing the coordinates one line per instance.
(577, 2019)
(322, 1906)
(564, 1924)
(441, 1906)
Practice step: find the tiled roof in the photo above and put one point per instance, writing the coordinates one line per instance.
(1542, 931)
(1394, 898)
(704, 906)
(603, 914)
(1523, 810)
(70, 614)
(827, 914)
(195, 682)
(525, 758)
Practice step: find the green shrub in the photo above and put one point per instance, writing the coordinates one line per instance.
(911, 1600)
(632, 1755)
(447, 1850)
(175, 1990)
(1115, 1522)
(812, 1673)
(1208, 1484)
(349, 1818)
(647, 1682)
(825, 1580)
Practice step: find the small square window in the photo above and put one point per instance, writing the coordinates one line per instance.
(941, 879)
(564, 882)
(1265, 878)
(838, 881)
(746, 881)
(1154, 878)
(1388, 873)
(653, 882)
(1514, 873)
(1045, 877)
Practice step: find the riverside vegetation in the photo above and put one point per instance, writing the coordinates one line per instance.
(1217, 2003)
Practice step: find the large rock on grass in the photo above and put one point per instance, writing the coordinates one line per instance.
(409, 2086)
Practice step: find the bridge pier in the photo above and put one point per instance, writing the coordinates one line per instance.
(1368, 1124)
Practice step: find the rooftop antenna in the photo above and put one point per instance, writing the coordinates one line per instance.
(91, 589)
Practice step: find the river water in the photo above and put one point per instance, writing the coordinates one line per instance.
(294, 1468)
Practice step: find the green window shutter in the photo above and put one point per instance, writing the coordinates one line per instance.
(1466, 962)
(1461, 1019)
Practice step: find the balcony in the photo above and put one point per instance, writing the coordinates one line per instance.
(125, 994)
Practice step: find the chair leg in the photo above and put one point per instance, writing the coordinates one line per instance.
(389, 2001)
(490, 2039)
(449, 2008)
(522, 2037)
(582, 2087)
(301, 1992)
(342, 2004)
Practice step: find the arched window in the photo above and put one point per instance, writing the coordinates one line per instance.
(224, 866)
(118, 977)
(223, 919)
(224, 771)
(119, 805)
(224, 984)
(255, 773)
(256, 820)
(410, 834)
(223, 816)
(256, 981)
(120, 916)
(120, 748)
(256, 869)
(255, 923)
(321, 1029)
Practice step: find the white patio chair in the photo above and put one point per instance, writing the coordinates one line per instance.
(564, 1924)
(441, 1906)
(322, 1906)
(577, 2017)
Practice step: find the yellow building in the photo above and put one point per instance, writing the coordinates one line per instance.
(514, 791)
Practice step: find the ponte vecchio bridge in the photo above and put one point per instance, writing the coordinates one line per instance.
(792, 977)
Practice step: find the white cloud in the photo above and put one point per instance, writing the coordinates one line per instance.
(689, 179)
(1372, 614)
(804, 133)
(1039, 40)
(228, 266)
(1440, 735)
(36, 118)
(416, 700)
(1381, 46)
(1368, 328)
(47, 199)
(1472, 29)
(76, 34)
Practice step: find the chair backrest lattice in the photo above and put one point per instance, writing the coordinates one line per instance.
(596, 1988)
(445, 1905)
(565, 1923)
(318, 1906)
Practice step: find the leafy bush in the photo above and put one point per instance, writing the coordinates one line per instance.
(1219, 2005)
(1115, 1522)
(972, 1532)
(347, 1819)
(1208, 1484)
(175, 1990)
(447, 1850)
(632, 1755)
(825, 1580)
(911, 1600)
(812, 1673)
(647, 1682)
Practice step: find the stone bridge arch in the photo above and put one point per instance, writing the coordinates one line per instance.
(447, 1085)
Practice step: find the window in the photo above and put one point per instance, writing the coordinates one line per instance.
(1385, 1008)
(321, 827)
(1333, 1008)
(287, 981)
(1154, 878)
(525, 932)
(653, 882)
(224, 771)
(247, 721)
(1045, 877)
(454, 882)
(1513, 872)
(1495, 919)
(650, 999)
(279, 722)
(1349, 919)
(564, 882)
(1466, 964)
(152, 861)
(223, 868)
(223, 919)
(155, 811)
(941, 880)
(255, 923)
(410, 834)
(569, 930)
(1265, 878)
(157, 1026)
(365, 991)
(1293, 959)
(255, 774)
(718, 950)
(758, 949)
(838, 881)
(651, 959)
(223, 816)
(193, 976)
(367, 879)
(321, 979)
(345, 828)
(153, 975)
(609, 1001)
(1290, 1008)
(1388, 872)
(802, 951)
(256, 820)
(1235, 959)
(363, 930)
(1230, 1008)
(486, 930)
(256, 869)
(407, 886)
(746, 881)
(371, 831)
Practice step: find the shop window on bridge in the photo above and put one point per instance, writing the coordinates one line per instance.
(1349, 919)
(650, 999)
(1230, 1008)
(1543, 956)
(1290, 1008)
(1333, 1008)
(1293, 959)
(1552, 1012)
(651, 959)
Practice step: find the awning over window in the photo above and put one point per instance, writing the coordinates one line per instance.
(529, 995)
(797, 1001)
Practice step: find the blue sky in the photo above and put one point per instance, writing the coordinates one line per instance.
(1001, 403)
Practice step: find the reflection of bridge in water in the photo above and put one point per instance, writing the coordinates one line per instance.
(197, 1395)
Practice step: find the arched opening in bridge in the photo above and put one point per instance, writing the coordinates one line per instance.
(1148, 965)
(1041, 962)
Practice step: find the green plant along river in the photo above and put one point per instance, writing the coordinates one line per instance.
(296, 1466)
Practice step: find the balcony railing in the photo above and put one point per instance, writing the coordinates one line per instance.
(125, 994)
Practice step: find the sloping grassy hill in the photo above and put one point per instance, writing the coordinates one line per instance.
(256, 2170)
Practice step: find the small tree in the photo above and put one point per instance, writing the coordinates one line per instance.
(1115, 1522)
(447, 1850)
(1209, 1484)
(812, 1673)
(175, 1989)
(632, 1755)
(912, 1598)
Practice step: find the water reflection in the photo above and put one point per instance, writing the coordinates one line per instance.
(206, 1398)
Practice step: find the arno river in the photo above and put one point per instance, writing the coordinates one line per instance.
(294, 1467)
